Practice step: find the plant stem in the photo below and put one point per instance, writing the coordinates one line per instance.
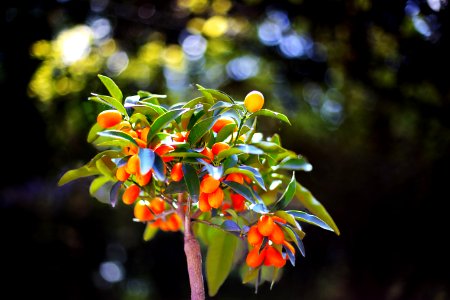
(193, 254)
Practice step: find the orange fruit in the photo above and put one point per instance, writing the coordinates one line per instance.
(221, 122)
(121, 173)
(143, 180)
(143, 134)
(238, 202)
(180, 137)
(219, 147)
(133, 164)
(131, 193)
(163, 149)
(255, 258)
(254, 101)
(207, 152)
(265, 225)
(209, 184)
(236, 177)
(140, 143)
(203, 203)
(157, 205)
(109, 118)
(215, 198)
(274, 258)
(277, 235)
(177, 172)
(142, 211)
(253, 236)
(173, 222)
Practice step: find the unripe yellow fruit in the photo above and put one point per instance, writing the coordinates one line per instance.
(254, 101)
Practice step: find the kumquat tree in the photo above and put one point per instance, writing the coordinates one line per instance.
(201, 167)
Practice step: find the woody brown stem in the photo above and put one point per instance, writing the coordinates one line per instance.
(193, 255)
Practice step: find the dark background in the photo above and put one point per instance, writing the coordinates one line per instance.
(380, 168)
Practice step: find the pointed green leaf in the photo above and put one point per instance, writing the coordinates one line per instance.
(110, 101)
(251, 172)
(243, 190)
(97, 183)
(185, 154)
(297, 164)
(219, 95)
(289, 218)
(117, 134)
(92, 135)
(71, 175)
(272, 114)
(249, 149)
(220, 104)
(225, 132)
(114, 194)
(250, 275)
(230, 162)
(288, 194)
(163, 120)
(146, 160)
(108, 153)
(219, 259)
(200, 129)
(149, 232)
(103, 191)
(230, 225)
(311, 219)
(269, 147)
(314, 206)
(228, 152)
(295, 238)
(112, 87)
(192, 182)
(274, 277)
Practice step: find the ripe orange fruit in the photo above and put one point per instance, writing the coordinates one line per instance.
(121, 173)
(236, 177)
(133, 164)
(277, 235)
(254, 101)
(143, 134)
(221, 122)
(255, 258)
(109, 118)
(142, 211)
(163, 149)
(180, 137)
(177, 172)
(131, 193)
(143, 180)
(203, 203)
(215, 198)
(265, 225)
(157, 205)
(219, 147)
(209, 184)
(273, 257)
(207, 152)
(238, 202)
(253, 236)
(173, 222)
(140, 143)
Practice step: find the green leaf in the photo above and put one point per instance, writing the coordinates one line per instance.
(219, 95)
(103, 192)
(269, 147)
(250, 172)
(314, 206)
(112, 87)
(243, 190)
(105, 166)
(114, 193)
(295, 238)
(146, 160)
(297, 164)
(231, 226)
(110, 101)
(220, 104)
(230, 162)
(274, 277)
(192, 182)
(225, 132)
(219, 260)
(159, 169)
(149, 232)
(200, 129)
(139, 119)
(311, 219)
(250, 275)
(107, 153)
(71, 175)
(92, 135)
(228, 152)
(272, 114)
(288, 194)
(185, 154)
(249, 149)
(289, 218)
(163, 120)
(97, 183)
(155, 109)
(117, 134)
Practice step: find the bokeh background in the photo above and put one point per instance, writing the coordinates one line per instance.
(365, 84)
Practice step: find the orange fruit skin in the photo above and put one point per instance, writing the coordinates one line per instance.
(219, 147)
(215, 198)
(209, 184)
(157, 205)
(180, 137)
(142, 211)
(143, 134)
(109, 118)
(236, 177)
(238, 202)
(173, 222)
(255, 258)
(143, 179)
(177, 172)
(133, 164)
(254, 101)
(265, 225)
(121, 173)
(273, 258)
(163, 149)
(253, 236)
(207, 152)
(131, 193)
(140, 143)
(203, 203)
(277, 235)
(221, 122)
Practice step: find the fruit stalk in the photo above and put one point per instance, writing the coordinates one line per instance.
(193, 255)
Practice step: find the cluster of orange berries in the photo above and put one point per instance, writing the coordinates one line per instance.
(270, 254)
